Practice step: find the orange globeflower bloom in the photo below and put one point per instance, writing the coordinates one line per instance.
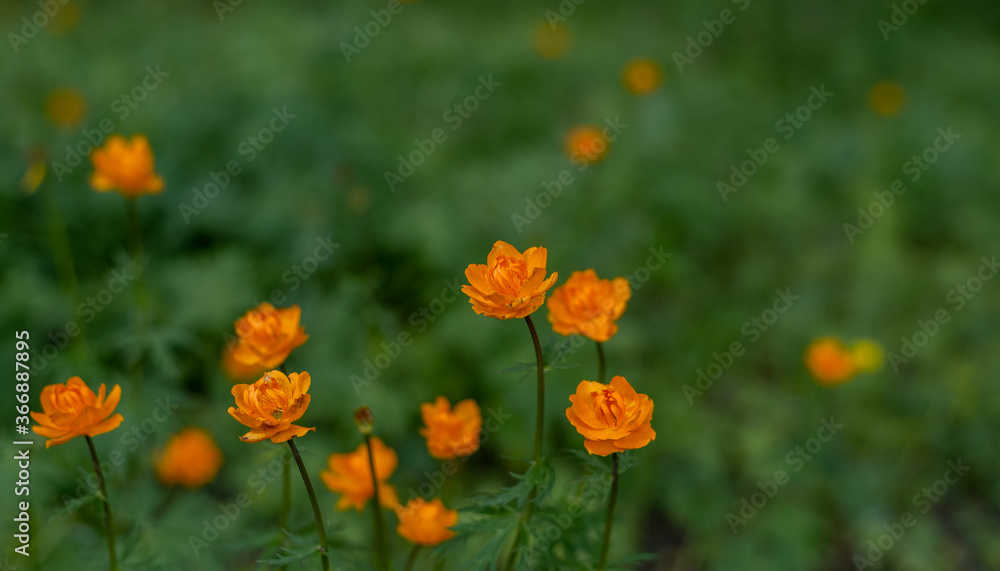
(426, 523)
(510, 284)
(451, 433)
(642, 76)
(271, 405)
(72, 410)
(351, 476)
(611, 418)
(191, 459)
(830, 362)
(268, 335)
(237, 371)
(125, 166)
(588, 306)
(586, 144)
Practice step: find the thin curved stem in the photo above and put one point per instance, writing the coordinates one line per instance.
(320, 526)
(600, 362)
(381, 541)
(412, 560)
(603, 560)
(107, 505)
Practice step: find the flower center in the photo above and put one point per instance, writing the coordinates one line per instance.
(507, 275)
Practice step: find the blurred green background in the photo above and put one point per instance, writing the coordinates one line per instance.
(323, 176)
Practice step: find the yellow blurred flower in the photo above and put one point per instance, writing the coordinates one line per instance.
(125, 166)
(426, 523)
(551, 42)
(34, 175)
(642, 76)
(867, 355)
(65, 107)
(886, 98)
(191, 459)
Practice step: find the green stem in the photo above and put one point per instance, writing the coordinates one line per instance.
(286, 503)
(412, 560)
(320, 526)
(107, 505)
(600, 362)
(381, 541)
(602, 562)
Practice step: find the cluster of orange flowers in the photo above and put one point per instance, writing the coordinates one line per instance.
(831, 362)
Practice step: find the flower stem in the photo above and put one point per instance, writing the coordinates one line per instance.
(286, 493)
(413, 557)
(600, 362)
(603, 560)
(107, 505)
(381, 541)
(320, 526)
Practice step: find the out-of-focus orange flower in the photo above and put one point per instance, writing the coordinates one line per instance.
(886, 98)
(271, 405)
(72, 410)
(351, 476)
(237, 371)
(268, 335)
(191, 459)
(509, 285)
(642, 76)
(586, 144)
(451, 433)
(426, 523)
(588, 306)
(830, 362)
(125, 166)
(65, 107)
(551, 41)
(611, 418)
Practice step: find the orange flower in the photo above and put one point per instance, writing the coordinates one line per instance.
(509, 284)
(72, 410)
(588, 306)
(125, 166)
(351, 476)
(237, 371)
(830, 362)
(451, 433)
(191, 459)
(586, 144)
(611, 418)
(426, 523)
(271, 405)
(268, 335)
(642, 76)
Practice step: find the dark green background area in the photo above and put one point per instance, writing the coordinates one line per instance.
(324, 176)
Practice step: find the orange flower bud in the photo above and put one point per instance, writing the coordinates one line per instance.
(451, 433)
(72, 410)
(509, 285)
(830, 362)
(365, 419)
(271, 405)
(586, 144)
(191, 459)
(351, 476)
(125, 166)
(268, 335)
(611, 418)
(588, 306)
(426, 523)
(642, 76)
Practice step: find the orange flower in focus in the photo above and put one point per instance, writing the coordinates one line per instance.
(426, 523)
(72, 410)
(642, 76)
(451, 433)
(65, 107)
(351, 476)
(886, 98)
(588, 306)
(236, 371)
(191, 459)
(125, 166)
(509, 285)
(586, 144)
(830, 362)
(271, 405)
(611, 418)
(268, 335)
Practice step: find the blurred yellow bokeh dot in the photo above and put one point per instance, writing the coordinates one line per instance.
(551, 42)
(65, 20)
(867, 355)
(586, 144)
(886, 98)
(642, 76)
(65, 107)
